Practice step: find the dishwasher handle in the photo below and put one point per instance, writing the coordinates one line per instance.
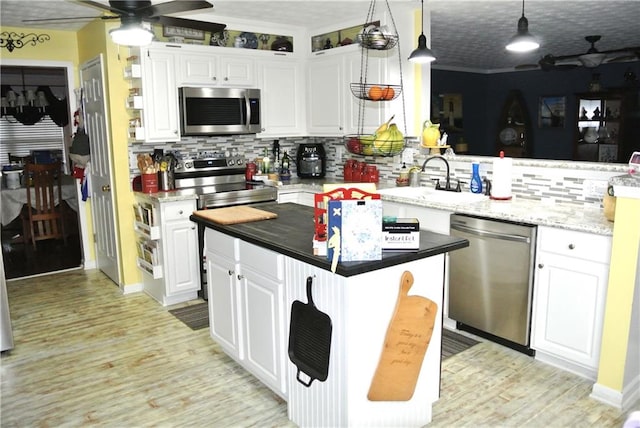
(488, 234)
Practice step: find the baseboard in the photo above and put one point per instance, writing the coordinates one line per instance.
(606, 395)
(132, 288)
(577, 369)
(91, 264)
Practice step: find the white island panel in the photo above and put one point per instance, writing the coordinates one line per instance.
(361, 308)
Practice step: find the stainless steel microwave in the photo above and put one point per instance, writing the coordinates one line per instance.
(216, 111)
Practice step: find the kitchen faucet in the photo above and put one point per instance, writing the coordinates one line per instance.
(448, 182)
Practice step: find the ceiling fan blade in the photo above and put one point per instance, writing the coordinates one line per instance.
(190, 23)
(173, 7)
(108, 8)
(623, 58)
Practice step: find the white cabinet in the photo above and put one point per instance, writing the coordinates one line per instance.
(282, 97)
(215, 70)
(333, 109)
(246, 306)
(325, 87)
(570, 288)
(170, 267)
(160, 93)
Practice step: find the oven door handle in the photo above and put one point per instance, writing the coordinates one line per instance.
(487, 234)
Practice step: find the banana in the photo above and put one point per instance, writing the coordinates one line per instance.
(385, 125)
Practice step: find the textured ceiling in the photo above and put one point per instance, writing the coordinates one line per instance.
(466, 34)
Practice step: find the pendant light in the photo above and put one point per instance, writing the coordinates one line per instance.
(422, 54)
(523, 41)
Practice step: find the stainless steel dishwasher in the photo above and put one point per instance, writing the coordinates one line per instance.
(491, 281)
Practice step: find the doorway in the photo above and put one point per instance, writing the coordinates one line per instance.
(20, 258)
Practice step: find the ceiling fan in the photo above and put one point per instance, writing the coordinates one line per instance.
(590, 59)
(132, 13)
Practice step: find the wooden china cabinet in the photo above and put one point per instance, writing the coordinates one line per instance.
(514, 127)
(607, 125)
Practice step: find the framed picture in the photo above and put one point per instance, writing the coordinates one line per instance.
(187, 33)
(551, 112)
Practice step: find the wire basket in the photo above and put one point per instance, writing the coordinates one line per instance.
(376, 39)
(375, 91)
(366, 145)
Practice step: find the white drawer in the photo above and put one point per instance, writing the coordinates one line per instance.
(221, 244)
(570, 243)
(262, 260)
(178, 210)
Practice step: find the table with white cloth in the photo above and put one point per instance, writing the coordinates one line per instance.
(14, 199)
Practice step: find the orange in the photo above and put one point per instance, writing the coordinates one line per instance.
(388, 93)
(375, 93)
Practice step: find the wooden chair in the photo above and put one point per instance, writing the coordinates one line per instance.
(41, 219)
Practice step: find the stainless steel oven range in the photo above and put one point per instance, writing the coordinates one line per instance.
(218, 181)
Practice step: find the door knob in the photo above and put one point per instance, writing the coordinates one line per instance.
(106, 188)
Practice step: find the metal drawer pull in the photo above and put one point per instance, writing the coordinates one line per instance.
(571, 246)
(540, 265)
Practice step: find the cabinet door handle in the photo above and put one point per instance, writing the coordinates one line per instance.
(106, 188)
(540, 265)
(571, 246)
(180, 212)
(230, 272)
(226, 78)
(240, 277)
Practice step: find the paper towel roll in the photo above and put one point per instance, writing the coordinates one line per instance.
(501, 183)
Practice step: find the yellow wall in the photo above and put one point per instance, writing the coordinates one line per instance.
(93, 39)
(620, 292)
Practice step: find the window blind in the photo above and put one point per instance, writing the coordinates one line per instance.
(20, 140)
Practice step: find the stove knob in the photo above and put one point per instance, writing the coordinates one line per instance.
(231, 162)
(188, 165)
(240, 161)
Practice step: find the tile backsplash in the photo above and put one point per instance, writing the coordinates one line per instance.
(545, 180)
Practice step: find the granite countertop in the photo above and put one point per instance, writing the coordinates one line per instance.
(626, 186)
(520, 210)
(169, 196)
(291, 234)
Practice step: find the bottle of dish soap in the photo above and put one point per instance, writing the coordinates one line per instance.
(476, 181)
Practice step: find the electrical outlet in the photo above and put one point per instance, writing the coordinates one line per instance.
(594, 188)
(407, 156)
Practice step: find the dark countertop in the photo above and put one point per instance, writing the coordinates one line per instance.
(291, 234)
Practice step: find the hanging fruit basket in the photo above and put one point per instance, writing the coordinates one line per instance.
(376, 91)
(378, 38)
(371, 145)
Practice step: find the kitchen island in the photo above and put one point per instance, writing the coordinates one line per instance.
(255, 272)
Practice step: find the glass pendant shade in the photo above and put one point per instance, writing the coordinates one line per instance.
(523, 41)
(131, 35)
(592, 60)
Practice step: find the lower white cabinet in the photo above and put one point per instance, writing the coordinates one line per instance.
(572, 270)
(166, 230)
(246, 306)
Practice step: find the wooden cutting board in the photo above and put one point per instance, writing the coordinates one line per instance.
(235, 215)
(405, 345)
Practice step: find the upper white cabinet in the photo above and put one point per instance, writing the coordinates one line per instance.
(216, 70)
(572, 270)
(160, 94)
(282, 97)
(333, 109)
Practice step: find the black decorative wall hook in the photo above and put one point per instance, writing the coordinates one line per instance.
(11, 40)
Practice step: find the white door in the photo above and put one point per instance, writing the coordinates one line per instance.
(95, 113)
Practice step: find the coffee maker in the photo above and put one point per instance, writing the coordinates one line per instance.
(311, 160)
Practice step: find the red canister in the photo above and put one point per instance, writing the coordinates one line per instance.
(348, 169)
(250, 171)
(371, 174)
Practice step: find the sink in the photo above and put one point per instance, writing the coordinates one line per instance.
(431, 195)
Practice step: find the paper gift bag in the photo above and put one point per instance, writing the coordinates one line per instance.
(354, 230)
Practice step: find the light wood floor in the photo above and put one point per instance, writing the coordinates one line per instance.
(85, 355)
